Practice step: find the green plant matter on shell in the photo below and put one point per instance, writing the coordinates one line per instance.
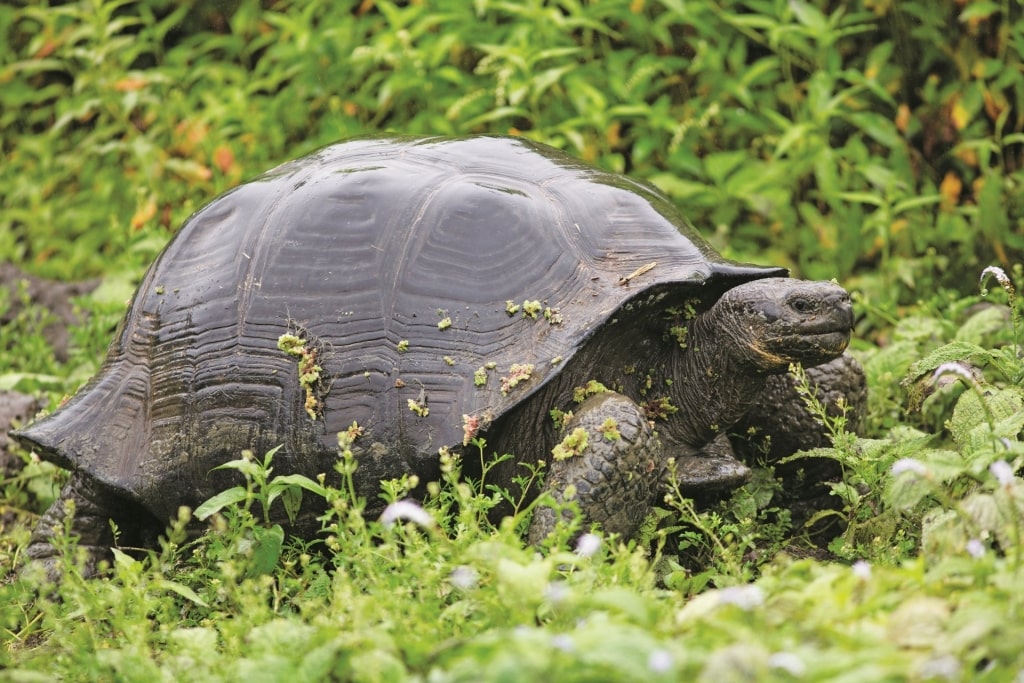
(659, 408)
(531, 308)
(610, 429)
(517, 374)
(418, 406)
(573, 444)
(581, 394)
(309, 370)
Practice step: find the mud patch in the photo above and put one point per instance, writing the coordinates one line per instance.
(24, 289)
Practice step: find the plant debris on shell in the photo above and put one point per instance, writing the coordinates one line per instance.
(309, 371)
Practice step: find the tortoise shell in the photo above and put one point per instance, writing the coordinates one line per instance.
(429, 279)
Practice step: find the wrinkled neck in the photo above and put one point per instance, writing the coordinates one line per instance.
(715, 385)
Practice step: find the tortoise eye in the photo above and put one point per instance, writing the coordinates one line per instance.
(801, 305)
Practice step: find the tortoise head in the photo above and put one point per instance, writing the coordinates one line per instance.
(778, 321)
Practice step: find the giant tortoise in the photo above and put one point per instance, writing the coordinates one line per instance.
(423, 293)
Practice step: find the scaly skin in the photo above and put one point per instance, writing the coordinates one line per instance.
(753, 332)
(617, 475)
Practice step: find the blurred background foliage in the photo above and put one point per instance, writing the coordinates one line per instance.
(874, 141)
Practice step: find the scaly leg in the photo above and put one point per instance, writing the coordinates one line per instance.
(614, 479)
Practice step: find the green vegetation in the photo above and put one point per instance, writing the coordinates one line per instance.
(877, 142)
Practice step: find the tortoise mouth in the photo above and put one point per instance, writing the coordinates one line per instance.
(840, 326)
(834, 341)
(812, 348)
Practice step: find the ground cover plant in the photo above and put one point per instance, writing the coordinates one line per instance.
(880, 143)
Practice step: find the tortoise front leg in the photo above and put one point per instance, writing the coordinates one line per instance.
(614, 478)
(711, 471)
(779, 424)
(780, 415)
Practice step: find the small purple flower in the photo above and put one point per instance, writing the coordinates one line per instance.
(909, 465)
(941, 666)
(588, 545)
(660, 661)
(745, 597)
(862, 570)
(1002, 471)
(975, 548)
(788, 662)
(556, 591)
(561, 641)
(463, 577)
(406, 511)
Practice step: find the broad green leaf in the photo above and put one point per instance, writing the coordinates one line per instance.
(997, 413)
(182, 590)
(916, 203)
(983, 323)
(124, 561)
(291, 498)
(905, 491)
(221, 501)
(795, 134)
(992, 217)
(810, 16)
(862, 197)
(679, 188)
(879, 127)
(948, 353)
(721, 164)
(300, 481)
(943, 464)
(979, 9)
(266, 549)
(248, 467)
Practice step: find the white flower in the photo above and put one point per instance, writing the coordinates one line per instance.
(788, 662)
(862, 570)
(463, 577)
(975, 548)
(406, 511)
(1000, 276)
(745, 597)
(953, 369)
(1002, 471)
(909, 465)
(561, 641)
(660, 661)
(941, 666)
(556, 591)
(587, 545)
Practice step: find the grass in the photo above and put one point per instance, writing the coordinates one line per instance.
(895, 168)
